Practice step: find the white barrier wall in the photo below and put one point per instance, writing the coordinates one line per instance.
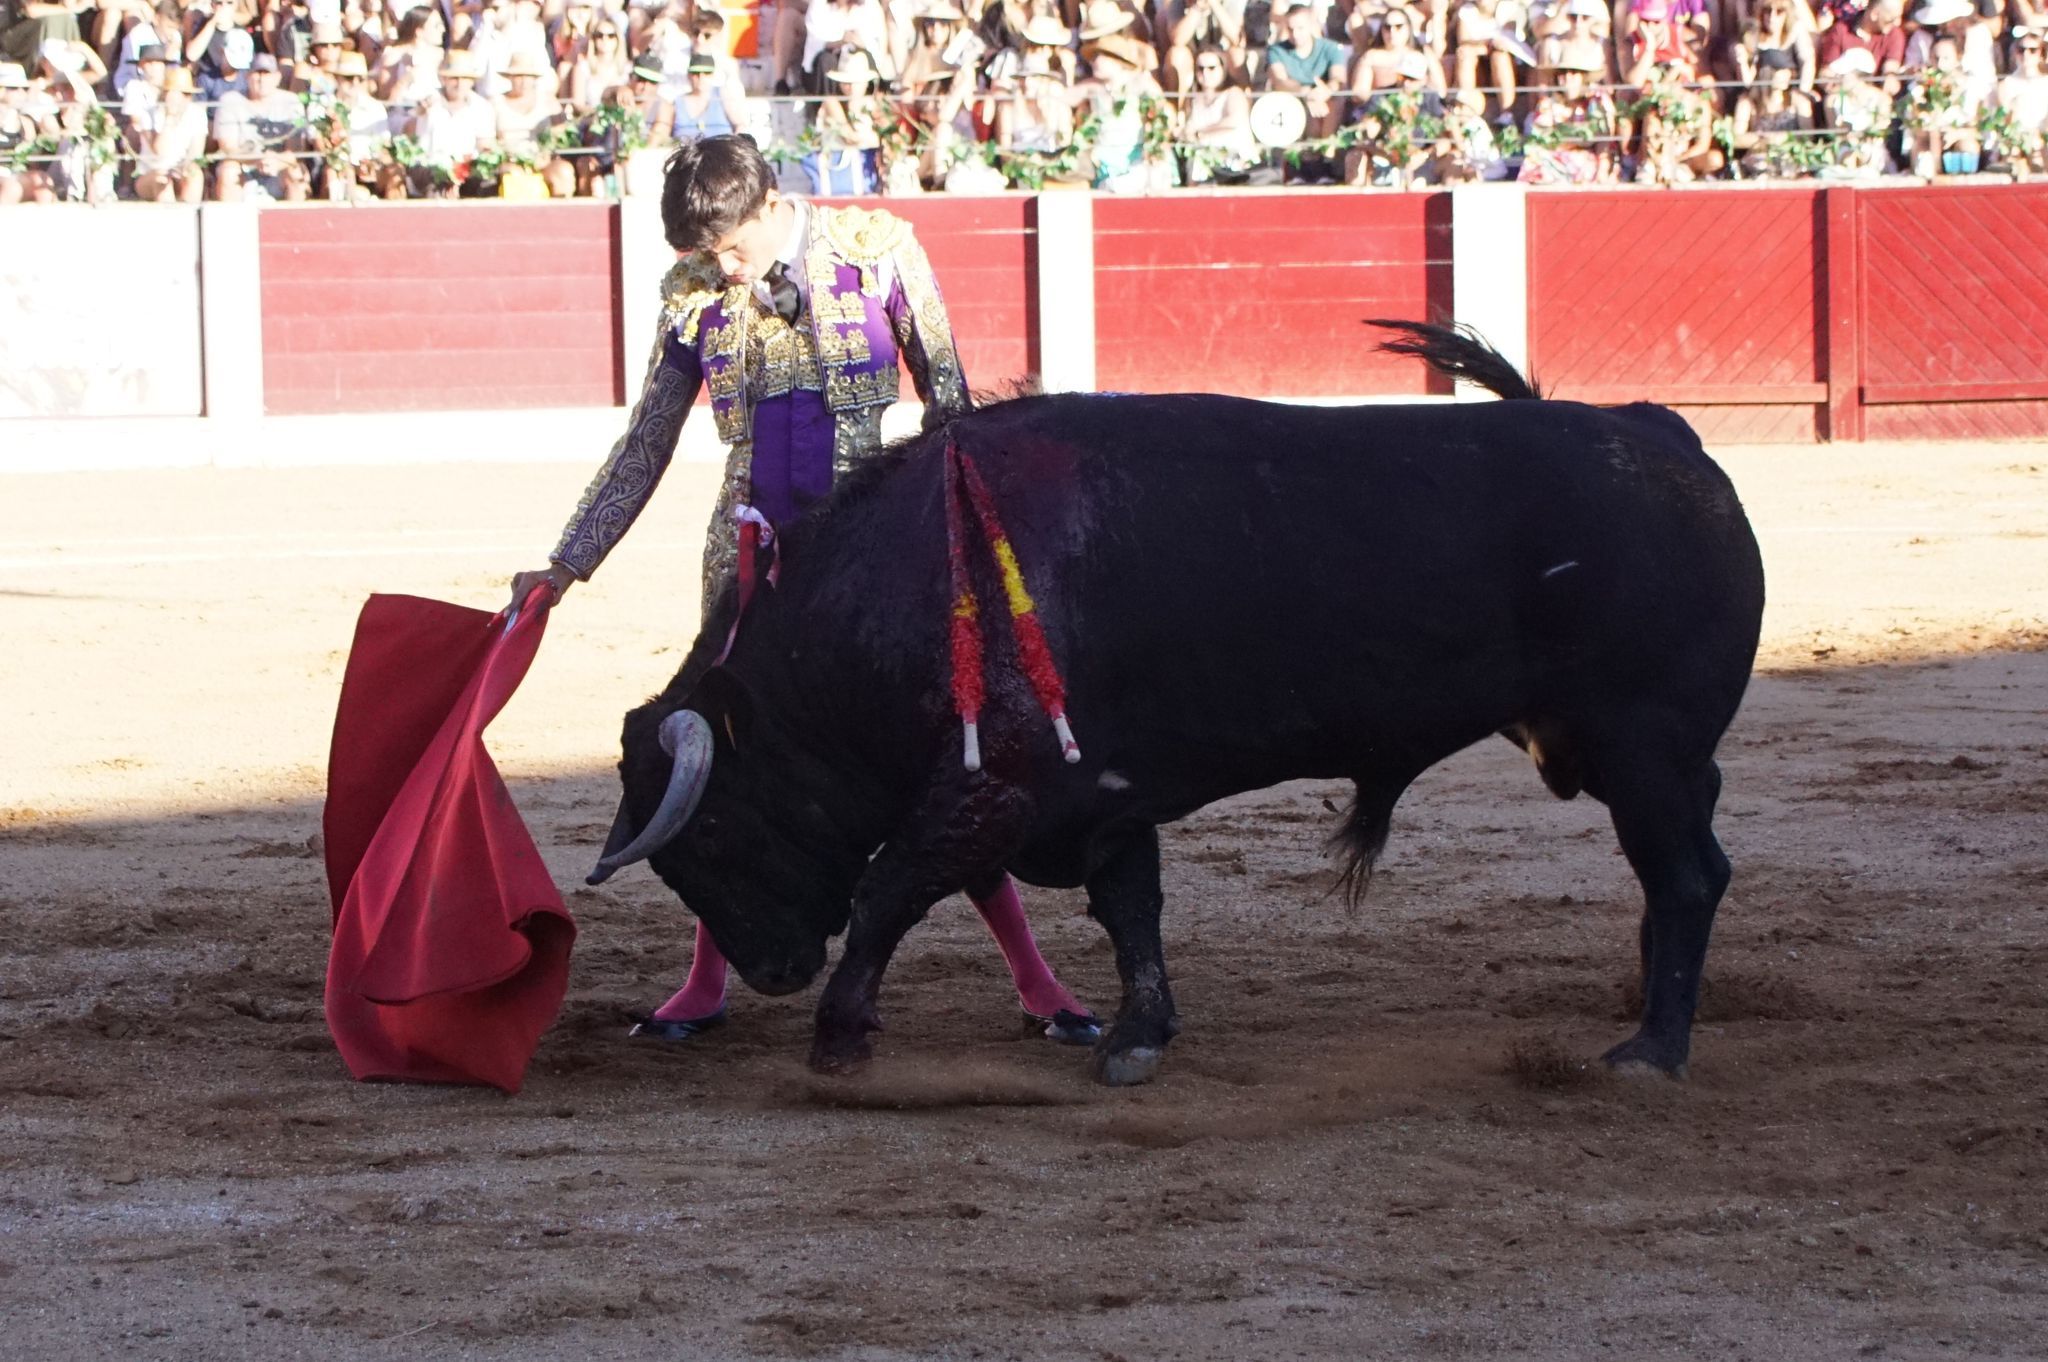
(99, 312)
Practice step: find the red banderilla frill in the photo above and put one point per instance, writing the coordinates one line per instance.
(963, 479)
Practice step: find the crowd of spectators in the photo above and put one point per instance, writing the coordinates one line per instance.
(290, 99)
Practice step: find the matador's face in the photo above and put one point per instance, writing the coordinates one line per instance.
(746, 252)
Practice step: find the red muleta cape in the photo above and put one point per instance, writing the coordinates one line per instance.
(451, 943)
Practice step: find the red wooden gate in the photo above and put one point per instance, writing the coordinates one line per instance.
(1709, 302)
(1264, 294)
(1954, 312)
(468, 306)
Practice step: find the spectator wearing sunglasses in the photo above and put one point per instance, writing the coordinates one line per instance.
(600, 64)
(1218, 123)
(1195, 26)
(1379, 65)
(315, 74)
(2024, 95)
(1776, 26)
(370, 166)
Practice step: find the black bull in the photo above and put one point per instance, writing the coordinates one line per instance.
(1238, 594)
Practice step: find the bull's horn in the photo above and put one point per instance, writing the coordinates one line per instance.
(618, 837)
(687, 739)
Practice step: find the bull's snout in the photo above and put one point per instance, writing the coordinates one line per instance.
(777, 978)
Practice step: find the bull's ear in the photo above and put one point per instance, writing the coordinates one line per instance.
(724, 700)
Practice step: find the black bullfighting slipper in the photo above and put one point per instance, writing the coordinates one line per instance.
(1067, 1028)
(656, 1028)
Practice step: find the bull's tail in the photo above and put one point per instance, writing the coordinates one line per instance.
(1458, 352)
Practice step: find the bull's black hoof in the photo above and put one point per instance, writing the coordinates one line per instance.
(1127, 1068)
(656, 1028)
(1066, 1028)
(1639, 1056)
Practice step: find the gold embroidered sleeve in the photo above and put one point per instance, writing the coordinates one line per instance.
(924, 334)
(619, 492)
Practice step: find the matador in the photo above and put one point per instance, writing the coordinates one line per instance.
(796, 316)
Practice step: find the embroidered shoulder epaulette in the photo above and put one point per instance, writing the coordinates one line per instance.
(692, 284)
(865, 234)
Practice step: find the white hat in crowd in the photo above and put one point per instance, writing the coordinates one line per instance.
(854, 68)
(1048, 31)
(1935, 13)
(1858, 59)
(236, 49)
(1584, 9)
(67, 59)
(1104, 17)
(12, 77)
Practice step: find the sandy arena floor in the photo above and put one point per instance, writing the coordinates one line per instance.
(1363, 1146)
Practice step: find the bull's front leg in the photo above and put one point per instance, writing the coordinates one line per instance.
(955, 838)
(1124, 896)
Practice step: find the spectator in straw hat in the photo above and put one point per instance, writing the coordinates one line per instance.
(1103, 17)
(848, 124)
(452, 125)
(1120, 93)
(369, 129)
(146, 90)
(170, 140)
(1052, 43)
(526, 112)
(939, 86)
(1578, 122)
(315, 73)
(259, 137)
(832, 24)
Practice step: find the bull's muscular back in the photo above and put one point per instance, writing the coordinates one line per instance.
(1243, 592)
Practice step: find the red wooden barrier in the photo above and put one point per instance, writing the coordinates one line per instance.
(1709, 302)
(467, 306)
(1263, 294)
(1954, 312)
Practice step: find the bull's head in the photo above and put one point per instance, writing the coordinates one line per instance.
(730, 820)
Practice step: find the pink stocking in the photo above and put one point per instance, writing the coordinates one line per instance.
(1038, 990)
(703, 994)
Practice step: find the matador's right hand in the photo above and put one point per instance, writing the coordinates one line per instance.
(555, 576)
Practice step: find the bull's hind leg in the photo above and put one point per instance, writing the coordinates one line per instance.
(1664, 816)
(1124, 896)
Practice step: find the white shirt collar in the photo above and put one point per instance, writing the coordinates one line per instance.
(788, 257)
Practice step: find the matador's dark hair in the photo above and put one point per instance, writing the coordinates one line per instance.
(713, 186)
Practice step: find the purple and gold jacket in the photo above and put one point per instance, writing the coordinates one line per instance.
(805, 401)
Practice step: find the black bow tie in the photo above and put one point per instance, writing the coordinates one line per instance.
(783, 293)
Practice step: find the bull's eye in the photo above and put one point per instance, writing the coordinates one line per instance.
(704, 837)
